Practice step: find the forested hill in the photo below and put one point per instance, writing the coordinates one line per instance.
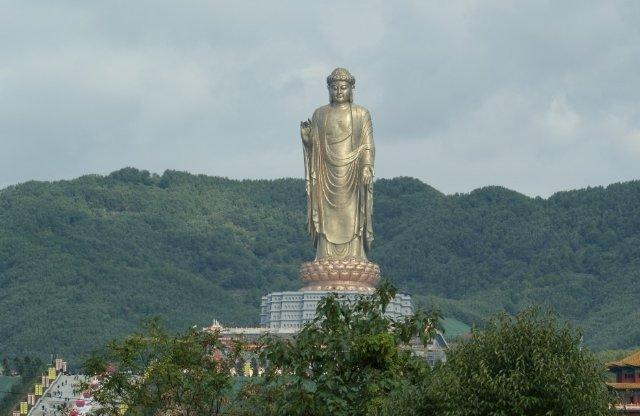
(82, 261)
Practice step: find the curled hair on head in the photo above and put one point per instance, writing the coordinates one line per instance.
(341, 74)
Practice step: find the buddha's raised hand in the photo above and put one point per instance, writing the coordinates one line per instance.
(305, 131)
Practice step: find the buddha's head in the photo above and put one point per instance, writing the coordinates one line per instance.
(341, 84)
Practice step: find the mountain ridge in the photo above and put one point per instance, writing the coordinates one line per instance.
(99, 253)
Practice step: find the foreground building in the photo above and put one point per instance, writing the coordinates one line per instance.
(627, 383)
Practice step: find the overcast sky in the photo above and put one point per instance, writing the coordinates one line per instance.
(537, 96)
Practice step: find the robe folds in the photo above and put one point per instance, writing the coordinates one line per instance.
(339, 204)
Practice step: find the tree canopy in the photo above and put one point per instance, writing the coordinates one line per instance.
(156, 372)
(345, 362)
(351, 360)
(527, 365)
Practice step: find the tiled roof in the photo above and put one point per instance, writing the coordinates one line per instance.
(624, 386)
(631, 361)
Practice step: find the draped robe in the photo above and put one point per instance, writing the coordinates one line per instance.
(339, 204)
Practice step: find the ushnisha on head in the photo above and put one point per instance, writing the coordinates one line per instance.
(341, 84)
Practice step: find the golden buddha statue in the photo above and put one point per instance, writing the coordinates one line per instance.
(339, 158)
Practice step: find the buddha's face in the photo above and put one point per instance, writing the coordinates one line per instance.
(340, 92)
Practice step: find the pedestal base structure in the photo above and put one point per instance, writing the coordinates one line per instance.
(339, 275)
(291, 310)
(348, 277)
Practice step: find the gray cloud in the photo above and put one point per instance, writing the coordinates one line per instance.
(535, 96)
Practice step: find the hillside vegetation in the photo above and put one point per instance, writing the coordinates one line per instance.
(83, 261)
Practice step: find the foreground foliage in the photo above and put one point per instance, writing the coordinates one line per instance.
(527, 365)
(345, 362)
(155, 372)
(353, 361)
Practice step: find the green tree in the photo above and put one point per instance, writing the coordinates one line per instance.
(156, 372)
(29, 370)
(527, 365)
(346, 361)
